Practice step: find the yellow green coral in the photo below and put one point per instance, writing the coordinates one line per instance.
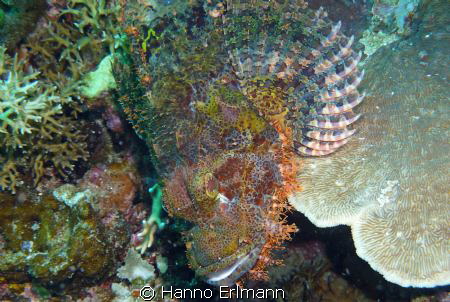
(23, 104)
(35, 134)
(73, 42)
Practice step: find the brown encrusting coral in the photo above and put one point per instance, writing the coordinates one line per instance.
(229, 95)
(52, 242)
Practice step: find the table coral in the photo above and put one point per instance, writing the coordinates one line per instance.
(228, 107)
(391, 184)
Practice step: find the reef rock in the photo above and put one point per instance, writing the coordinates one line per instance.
(45, 240)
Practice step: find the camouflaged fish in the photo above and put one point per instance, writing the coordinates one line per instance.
(229, 97)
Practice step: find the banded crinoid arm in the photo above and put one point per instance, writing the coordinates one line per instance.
(306, 67)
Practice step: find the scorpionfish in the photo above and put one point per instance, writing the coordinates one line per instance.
(229, 96)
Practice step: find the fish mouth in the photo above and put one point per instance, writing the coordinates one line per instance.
(230, 274)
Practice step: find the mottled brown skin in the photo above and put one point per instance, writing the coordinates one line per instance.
(228, 118)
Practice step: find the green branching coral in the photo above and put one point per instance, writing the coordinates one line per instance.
(23, 106)
(35, 134)
(73, 42)
(97, 21)
(38, 133)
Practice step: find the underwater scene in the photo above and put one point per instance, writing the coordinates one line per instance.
(225, 150)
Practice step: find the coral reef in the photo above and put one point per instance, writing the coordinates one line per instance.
(396, 15)
(72, 40)
(240, 102)
(40, 136)
(71, 220)
(51, 242)
(228, 118)
(391, 20)
(153, 222)
(35, 132)
(115, 185)
(17, 18)
(75, 236)
(307, 276)
(391, 183)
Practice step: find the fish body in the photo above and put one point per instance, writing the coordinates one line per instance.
(230, 96)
